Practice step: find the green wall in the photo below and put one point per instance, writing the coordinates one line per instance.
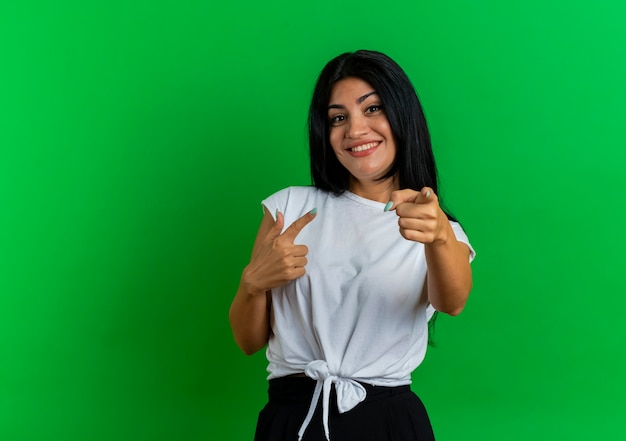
(137, 139)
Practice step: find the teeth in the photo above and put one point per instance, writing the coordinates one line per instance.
(364, 147)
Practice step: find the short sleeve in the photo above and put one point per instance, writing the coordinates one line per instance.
(460, 235)
(277, 201)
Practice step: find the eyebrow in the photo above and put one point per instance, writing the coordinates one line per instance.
(358, 101)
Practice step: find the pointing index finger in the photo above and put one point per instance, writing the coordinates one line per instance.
(400, 196)
(294, 229)
(409, 195)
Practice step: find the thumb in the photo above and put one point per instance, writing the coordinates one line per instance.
(277, 228)
(425, 195)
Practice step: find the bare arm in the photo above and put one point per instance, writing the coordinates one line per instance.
(249, 311)
(449, 279)
(275, 261)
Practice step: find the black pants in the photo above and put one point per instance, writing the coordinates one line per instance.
(387, 414)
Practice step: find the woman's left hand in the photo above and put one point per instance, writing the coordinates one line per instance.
(420, 217)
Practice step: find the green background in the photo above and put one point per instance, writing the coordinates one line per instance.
(137, 139)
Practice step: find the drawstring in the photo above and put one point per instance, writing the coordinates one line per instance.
(349, 394)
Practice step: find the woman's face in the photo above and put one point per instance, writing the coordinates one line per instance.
(359, 130)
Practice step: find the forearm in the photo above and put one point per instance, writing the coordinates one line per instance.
(449, 277)
(249, 318)
(275, 261)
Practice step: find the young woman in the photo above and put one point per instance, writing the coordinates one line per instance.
(345, 274)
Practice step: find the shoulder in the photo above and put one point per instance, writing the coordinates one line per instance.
(297, 192)
(293, 196)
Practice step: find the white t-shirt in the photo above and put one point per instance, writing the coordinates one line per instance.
(359, 313)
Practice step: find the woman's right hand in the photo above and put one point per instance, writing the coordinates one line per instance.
(276, 259)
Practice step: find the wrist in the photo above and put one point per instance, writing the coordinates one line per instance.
(250, 284)
(443, 235)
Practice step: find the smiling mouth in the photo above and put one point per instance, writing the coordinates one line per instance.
(363, 147)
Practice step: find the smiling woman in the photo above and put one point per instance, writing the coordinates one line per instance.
(359, 132)
(344, 311)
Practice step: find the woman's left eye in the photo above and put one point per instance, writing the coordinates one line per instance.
(374, 108)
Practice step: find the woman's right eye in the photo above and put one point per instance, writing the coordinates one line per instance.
(337, 119)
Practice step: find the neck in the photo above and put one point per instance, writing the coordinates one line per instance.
(379, 191)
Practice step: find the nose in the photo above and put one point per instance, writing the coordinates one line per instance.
(357, 127)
